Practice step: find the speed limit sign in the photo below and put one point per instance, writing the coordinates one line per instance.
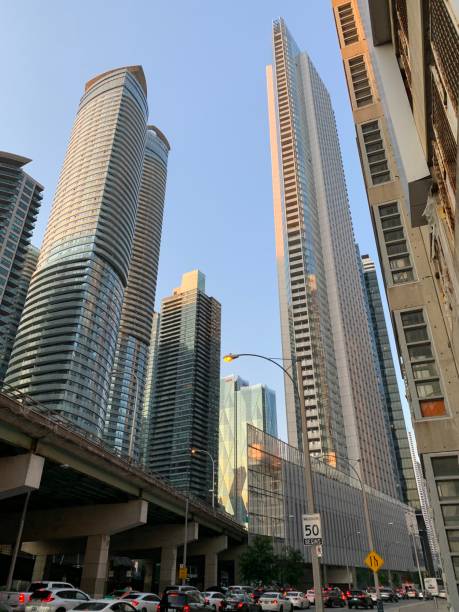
(312, 529)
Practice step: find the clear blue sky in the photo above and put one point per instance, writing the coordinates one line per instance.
(204, 61)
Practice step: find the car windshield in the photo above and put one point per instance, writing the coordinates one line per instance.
(94, 605)
(293, 593)
(132, 595)
(271, 594)
(40, 595)
(357, 592)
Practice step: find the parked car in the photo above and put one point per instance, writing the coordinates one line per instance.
(333, 598)
(18, 599)
(97, 605)
(214, 598)
(60, 600)
(240, 602)
(298, 599)
(359, 599)
(143, 602)
(184, 601)
(275, 602)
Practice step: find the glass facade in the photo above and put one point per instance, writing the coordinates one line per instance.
(123, 427)
(185, 405)
(240, 404)
(277, 501)
(392, 402)
(20, 200)
(65, 347)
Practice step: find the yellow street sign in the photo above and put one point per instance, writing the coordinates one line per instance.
(374, 561)
(183, 573)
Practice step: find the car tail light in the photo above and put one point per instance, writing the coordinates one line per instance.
(206, 600)
(135, 603)
(186, 608)
(158, 608)
(240, 604)
(48, 599)
(252, 595)
(22, 598)
(343, 596)
(274, 601)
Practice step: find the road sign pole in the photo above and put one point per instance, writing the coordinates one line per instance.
(315, 560)
(370, 543)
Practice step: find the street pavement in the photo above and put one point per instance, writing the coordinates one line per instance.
(406, 605)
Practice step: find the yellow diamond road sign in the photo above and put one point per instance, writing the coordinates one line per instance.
(374, 561)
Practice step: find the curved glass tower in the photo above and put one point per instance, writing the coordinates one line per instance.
(65, 347)
(123, 424)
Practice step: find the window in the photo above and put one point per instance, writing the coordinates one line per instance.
(448, 489)
(422, 362)
(445, 466)
(347, 22)
(450, 514)
(360, 81)
(376, 154)
(453, 540)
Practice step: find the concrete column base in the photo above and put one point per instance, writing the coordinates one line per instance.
(211, 570)
(94, 576)
(168, 568)
(39, 566)
(148, 576)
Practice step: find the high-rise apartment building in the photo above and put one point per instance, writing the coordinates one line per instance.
(124, 415)
(65, 346)
(20, 199)
(185, 407)
(401, 60)
(241, 404)
(323, 314)
(149, 393)
(391, 393)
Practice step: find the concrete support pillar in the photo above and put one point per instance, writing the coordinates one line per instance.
(95, 566)
(20, 474)
(39, 565)
(168, 568)
(148, 575)
(211, 570)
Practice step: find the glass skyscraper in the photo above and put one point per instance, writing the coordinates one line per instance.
(20, 199)
(65, 347)
(185, 406)
(392, 402)
(124, 414)
(323, 314)
(241, 404)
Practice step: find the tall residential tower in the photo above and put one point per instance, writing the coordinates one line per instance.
(20, 199)
(124, 415)
(65, 347)
(323, 315)
(185, 406)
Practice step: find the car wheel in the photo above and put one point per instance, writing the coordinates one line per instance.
(61, 610)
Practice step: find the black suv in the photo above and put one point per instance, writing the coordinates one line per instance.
(359, 599)
(183, 601)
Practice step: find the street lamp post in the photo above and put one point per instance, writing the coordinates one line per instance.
(366, 513)
(195, 451)
(310, 503)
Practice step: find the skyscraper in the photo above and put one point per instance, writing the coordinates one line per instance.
(20, 199)
(124, 414)
(149, 394)
(185, 408)
(323, 315)
(241, 404)
(392, 401)
(65, 347)
(401, 62)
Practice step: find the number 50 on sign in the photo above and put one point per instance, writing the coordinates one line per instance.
(312, 529)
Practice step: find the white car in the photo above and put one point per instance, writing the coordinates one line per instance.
(274, 601)
(55, 600)
(298, 599)
(213, 598)
(143, 602)
(113, 605)
(311, 596)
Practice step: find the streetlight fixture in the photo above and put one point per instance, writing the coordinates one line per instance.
(195, 451)
(310, 500)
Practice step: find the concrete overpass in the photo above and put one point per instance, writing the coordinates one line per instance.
(83, 499)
